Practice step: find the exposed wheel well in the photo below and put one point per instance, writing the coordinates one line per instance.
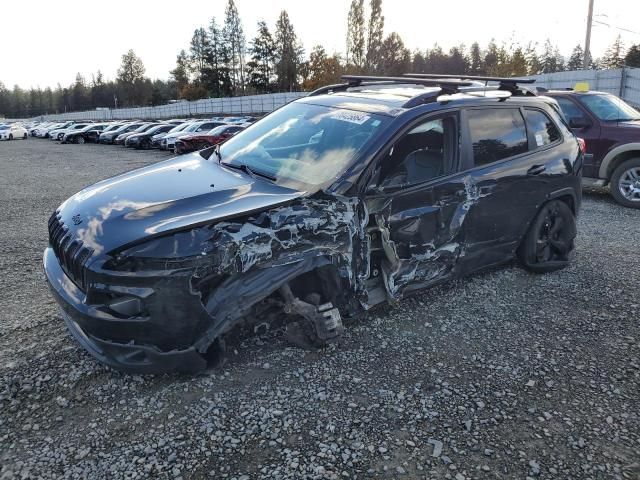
(568, 199)
(619, 159)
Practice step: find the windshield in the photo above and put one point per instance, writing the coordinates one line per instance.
(308, 144)
(217, 130)
(155, 129)
(180, 127)
(142, 128)
(609, 107)
(193, 127)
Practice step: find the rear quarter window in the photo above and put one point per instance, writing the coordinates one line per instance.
(496, 134)
(541, 127)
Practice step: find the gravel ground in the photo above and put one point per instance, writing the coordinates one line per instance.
(503, 375)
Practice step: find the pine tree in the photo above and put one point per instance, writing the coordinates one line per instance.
(534, 66)
(457, 63)
(218, 73)
(419, 63)
(614, 56)
(355, 35)
(548, 60)
(198, 54)
(235, 41)
(476, 65)
(180, 74)
(375, 34)
(491, 58)
(632, 59)
(518, 63)
(576, 60)
(288, 53)
(130, 77)
(263, 55)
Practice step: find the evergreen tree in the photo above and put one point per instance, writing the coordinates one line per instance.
(375, 34)
(355, 35)
(533, 61)
(288, 53)
(180, 74)
(263, 55)
(548, 60)
(518, 63)
(457, 63)
(475, 61)
(576, 60)
(130, 78)
(632, 59)
(218, 74)
(614, 57)
(491, 58)
(199, 52)
(419, 63)
(235, 42)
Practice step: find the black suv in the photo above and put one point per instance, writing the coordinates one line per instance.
(357, 194)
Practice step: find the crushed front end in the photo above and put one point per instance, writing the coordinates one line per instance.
(163, 304)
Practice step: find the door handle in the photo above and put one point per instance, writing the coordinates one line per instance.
(536, 170)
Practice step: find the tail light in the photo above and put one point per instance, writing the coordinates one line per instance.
(582, 144)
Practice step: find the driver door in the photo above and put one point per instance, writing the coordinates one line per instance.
(419, 205)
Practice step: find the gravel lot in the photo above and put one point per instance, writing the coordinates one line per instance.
(504, 375)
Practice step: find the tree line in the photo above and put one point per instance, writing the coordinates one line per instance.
(221, 62)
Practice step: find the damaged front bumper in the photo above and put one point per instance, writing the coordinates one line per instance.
(104, 335)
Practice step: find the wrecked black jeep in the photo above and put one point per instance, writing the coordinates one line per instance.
(357, 194)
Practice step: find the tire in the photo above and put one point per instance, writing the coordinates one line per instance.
(145, 144)
(625, 183)
(79, 140)
(549, 242)
(178, 149)
(24, 137)
(11, 136)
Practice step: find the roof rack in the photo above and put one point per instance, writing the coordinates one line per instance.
(510, 84)
(447, 86)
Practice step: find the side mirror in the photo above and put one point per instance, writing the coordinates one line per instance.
(579, 122)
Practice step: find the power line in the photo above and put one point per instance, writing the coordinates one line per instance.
(616, 27)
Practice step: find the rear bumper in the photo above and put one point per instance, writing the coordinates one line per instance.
(82, 319)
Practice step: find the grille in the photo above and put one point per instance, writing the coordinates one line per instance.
(71, 254)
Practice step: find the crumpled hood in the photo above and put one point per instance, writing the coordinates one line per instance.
(168, 196)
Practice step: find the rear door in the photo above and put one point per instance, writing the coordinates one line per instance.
(510, 166)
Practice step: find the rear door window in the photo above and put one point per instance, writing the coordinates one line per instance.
(496, 134)
(541, 128)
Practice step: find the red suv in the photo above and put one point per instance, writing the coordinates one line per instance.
(611, 130)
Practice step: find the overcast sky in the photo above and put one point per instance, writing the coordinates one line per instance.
(48, 42)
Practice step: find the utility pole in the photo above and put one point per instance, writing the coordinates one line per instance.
(587, 40)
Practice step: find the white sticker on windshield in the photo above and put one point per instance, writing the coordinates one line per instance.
(350, 116)
(539, 140)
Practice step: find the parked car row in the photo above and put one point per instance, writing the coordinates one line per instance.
(178, 135)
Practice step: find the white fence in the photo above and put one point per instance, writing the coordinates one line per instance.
(623, 82)
(253, 104)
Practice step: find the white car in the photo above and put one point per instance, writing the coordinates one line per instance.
(43, 132)
(58, 134)
(13, 131)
